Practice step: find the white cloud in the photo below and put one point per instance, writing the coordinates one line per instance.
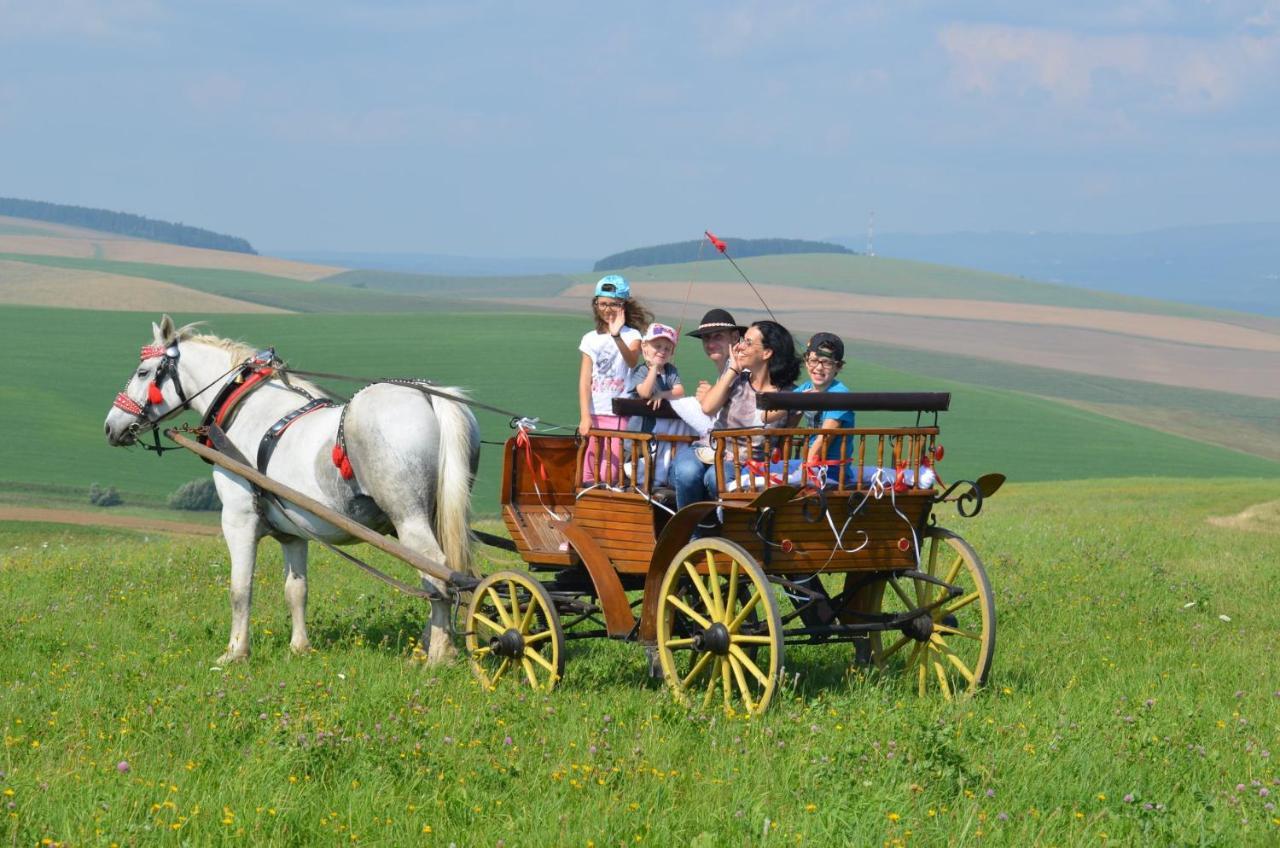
(1179, 73)
(90, 20)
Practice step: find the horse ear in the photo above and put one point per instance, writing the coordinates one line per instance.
(166, 331)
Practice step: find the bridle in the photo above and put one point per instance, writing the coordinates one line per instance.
(147, 415)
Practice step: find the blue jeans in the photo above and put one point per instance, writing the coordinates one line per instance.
(692, 479)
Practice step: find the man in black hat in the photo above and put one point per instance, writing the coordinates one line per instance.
(718, 333)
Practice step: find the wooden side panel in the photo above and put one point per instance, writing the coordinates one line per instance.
(537, 536)
(621, 523)
(817, 543)
(540, 473)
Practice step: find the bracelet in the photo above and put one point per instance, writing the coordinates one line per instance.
(615, 335)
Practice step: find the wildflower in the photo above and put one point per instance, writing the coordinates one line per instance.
(506, 741)
(809, 808)
(991, 793)
(123, 766)
(893, 817)
(1225, 618)
(1102, 796)
(1002, 816)
(1128, 798)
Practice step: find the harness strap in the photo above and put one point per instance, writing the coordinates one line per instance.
(271, 438)
(224, 405)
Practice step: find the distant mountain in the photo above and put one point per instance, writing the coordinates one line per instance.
(1231, 266)
(692, 251)
(122, 223)
(436, 263)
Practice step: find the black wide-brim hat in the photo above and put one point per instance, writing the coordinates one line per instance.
(714, 321)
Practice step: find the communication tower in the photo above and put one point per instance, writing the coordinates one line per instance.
(871, 234)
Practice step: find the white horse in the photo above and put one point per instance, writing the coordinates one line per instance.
(413, 457)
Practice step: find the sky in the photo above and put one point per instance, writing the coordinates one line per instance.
(580, 129)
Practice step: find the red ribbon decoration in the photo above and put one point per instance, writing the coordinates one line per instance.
(128, 404)
(150, 352)
(719, 245)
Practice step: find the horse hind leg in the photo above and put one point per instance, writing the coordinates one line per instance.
(295, 591)
(436, 641)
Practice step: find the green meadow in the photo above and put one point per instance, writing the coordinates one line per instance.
(1135, 700)
(65, 366)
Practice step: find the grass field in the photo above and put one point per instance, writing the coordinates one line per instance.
(57, 402)
(1134, 701)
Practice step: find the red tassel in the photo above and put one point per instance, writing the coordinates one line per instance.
(900, 479)
(720, 246)
(154, 395)
(338, 455)
(346, 470)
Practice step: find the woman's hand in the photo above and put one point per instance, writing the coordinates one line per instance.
(583, 426)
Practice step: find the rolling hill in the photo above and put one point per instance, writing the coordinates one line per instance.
(1051, 382)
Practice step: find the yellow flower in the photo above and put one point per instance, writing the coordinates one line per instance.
(426, 828)
(809, 808)
(893, 817)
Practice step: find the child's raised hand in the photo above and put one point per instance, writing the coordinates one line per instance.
(617, 320)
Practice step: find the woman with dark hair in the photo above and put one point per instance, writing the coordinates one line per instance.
(763, 360)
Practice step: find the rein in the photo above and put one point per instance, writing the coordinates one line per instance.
(168, 368)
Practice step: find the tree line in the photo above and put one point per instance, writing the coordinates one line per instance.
(122, 223)
(692, 251)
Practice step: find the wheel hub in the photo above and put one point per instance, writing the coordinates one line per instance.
(714, 639)
(509, 644)
(919, 628)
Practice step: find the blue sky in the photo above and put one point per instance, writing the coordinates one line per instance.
(578, 129)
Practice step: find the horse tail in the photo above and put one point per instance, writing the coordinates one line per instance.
(459, 444)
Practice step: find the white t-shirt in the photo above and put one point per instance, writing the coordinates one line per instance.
(609, 369)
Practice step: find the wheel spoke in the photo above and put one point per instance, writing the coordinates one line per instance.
(954, 571)
(702, 590)
(742, 683)
(529, 673)
(955, 661)
(717, 611)
(534, 638)
(501, 669)
(894, 648)
(481, 651)
(712, 679)
(688, 610)
(515, 606)
(955, 631)
(740, 639)
(744, 612)
(680, 643)
(539, 659)
(903, 595)
(502, 611)
(726, 683)
(489, 623)
(732, 597)
(942, 680)
(922, 675)
(962, 603)
(528, 615)
(696, 670)
(741, 656)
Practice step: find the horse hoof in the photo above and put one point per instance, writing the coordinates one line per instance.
(232, 657)
(301, 650)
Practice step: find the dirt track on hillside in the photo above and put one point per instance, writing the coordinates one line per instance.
(39, 285)
(103, 519)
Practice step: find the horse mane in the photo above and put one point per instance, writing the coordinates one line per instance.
(239, 352)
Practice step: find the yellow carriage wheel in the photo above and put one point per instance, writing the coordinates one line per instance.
(513, 632)
(950, 647)
(719, 631)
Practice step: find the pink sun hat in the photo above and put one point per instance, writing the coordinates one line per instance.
(660, 331)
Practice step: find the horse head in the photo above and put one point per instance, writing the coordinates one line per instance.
(153, 391)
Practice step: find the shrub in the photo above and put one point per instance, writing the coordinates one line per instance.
(99, 496)
(196, 496)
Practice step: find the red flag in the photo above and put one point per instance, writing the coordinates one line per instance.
(720, 246)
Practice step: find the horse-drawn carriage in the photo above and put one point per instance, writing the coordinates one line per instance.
(842, 551)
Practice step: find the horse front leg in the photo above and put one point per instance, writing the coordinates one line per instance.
(241, 533)
(295, 591)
